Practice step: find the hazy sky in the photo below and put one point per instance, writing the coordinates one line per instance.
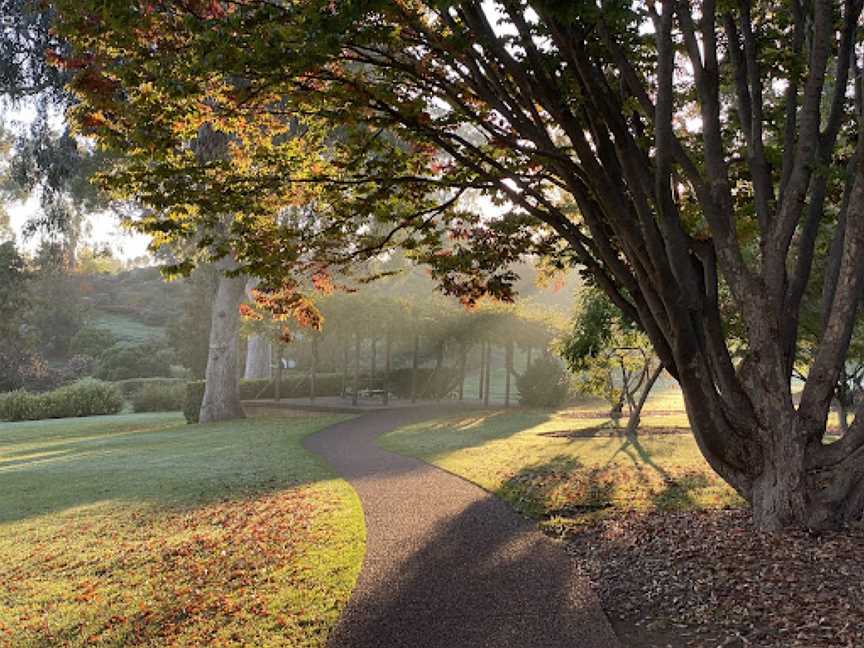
(101, 228)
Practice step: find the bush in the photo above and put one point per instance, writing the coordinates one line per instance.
(159, 397)
(86, 397)
(293, 386)
(20, 405)
(92, 341)
(430, 383)
(544, 383)
(193, 400)
(131, 386)
(125, 360)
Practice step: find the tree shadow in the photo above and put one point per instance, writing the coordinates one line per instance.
(484, 577)
(173, 465)
(469, 431)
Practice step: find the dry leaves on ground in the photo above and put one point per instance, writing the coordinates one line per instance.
(709, 579)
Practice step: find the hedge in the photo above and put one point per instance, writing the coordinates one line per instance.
(131, 386)
(88, 397)
(159, 397)
(192, 402)
(430, 383)
(292, 386)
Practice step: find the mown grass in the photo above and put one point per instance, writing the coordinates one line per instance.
(126, 329)
(537, 461)
(138, 530)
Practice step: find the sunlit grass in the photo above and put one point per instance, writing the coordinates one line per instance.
(533, 460)
(141, 530)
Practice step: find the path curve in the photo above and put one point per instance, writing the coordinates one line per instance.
(447, 564)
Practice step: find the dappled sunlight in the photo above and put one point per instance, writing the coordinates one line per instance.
(192, 535)
(555, 466)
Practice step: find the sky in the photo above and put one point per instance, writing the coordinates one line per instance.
(101, 228)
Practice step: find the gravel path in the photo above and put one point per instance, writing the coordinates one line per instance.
(448, 565)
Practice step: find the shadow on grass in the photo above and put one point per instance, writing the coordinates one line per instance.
(465, 431)
(170, 464)
(563, 487)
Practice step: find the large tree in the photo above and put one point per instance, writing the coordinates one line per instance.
(685, 154)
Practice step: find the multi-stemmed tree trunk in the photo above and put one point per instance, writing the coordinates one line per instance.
(221, 393)
(671, 219)
(690, 156)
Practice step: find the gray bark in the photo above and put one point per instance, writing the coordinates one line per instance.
(259, 350)
(222, 392)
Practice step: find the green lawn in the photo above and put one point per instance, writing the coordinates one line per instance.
(533, 460)
(138, 530)
(126, 329)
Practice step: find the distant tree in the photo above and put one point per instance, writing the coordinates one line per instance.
(189, 333)
(544, 383)
(611, 357)
(59, 310)
(44, 160)
(14, 304)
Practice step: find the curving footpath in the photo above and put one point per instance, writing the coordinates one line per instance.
(447, 564)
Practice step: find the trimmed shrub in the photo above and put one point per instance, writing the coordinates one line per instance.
(88, 397)
(20, 405)
(193, 400)
(125, 360)
(545, 383)
(159, 397)
(430, 383)
(131, 386)
(293, 386)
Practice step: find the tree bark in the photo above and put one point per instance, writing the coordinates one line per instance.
(259, 350)
(356, 380)
(222, 391)
(488, 374)
(415, 359)
(313, 377)
(481, 384)
(463, 360)
(278, 386)
(387, 350)
(509, 369)
(636, 412)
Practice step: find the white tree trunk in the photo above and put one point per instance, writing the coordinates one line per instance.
(259, 350)
(222, 391)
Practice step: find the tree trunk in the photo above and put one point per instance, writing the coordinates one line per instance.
(415, 360)
(463, 360)
(509, 369)
(278, 386)
(222, 391)
(313, 377)
(374, 369)
(356, 381)
(488, 374)
(387, 349)
(481, 385)
(636, 411)
(259, 350)
(345, 367)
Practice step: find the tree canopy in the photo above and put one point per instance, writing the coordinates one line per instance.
(687, 155)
